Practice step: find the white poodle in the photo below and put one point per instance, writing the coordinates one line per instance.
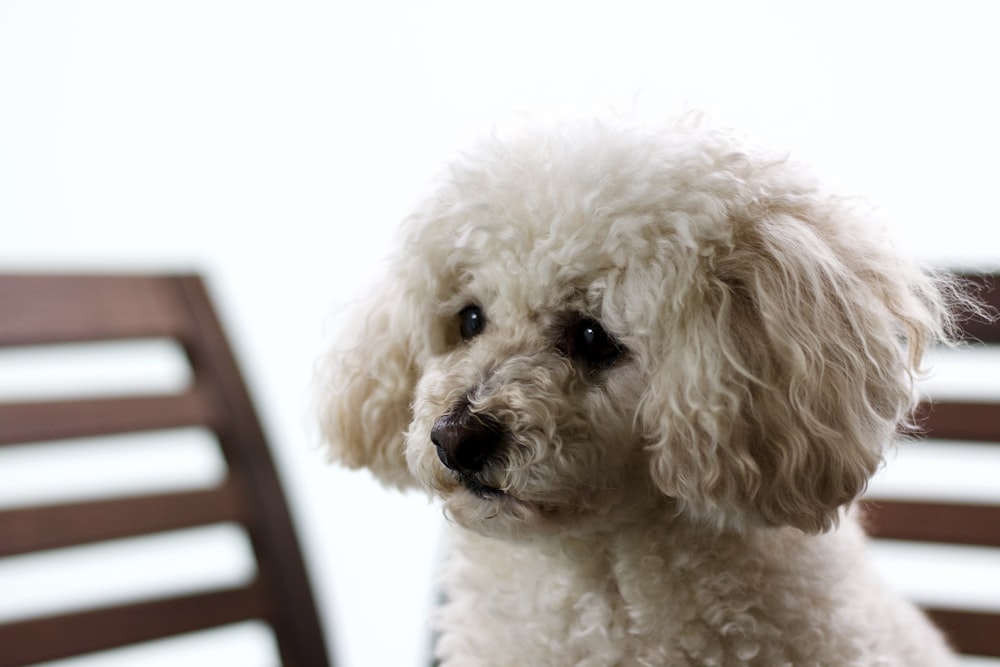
(646, 372)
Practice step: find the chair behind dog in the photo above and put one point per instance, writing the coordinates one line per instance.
(46, 312)
(973, 631)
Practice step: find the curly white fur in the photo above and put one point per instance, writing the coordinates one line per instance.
(687, 502)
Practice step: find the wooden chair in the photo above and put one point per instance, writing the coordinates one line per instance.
(46, 310)
(973, 632)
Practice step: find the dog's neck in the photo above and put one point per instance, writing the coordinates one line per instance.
(655, 554)
(658, 522)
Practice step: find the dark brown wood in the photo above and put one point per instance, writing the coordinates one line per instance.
(55, 526)
(289, 594)
(950, 420)
(62, 309)
(950, 523)
(975, 633)
(986, 288)
(51, 638)
(54, 420)
(59, 309)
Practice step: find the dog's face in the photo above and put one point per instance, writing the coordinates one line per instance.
(586, 324)
(524, 415)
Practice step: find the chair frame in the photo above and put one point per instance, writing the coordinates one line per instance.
(52, 309)
(973, 632)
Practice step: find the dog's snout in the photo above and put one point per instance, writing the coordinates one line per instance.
(466, 441)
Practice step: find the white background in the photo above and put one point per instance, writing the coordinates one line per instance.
(274, 146)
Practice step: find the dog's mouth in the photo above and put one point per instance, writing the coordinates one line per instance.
(478, 488)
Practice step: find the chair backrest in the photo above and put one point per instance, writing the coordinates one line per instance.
(973, 631)
(47, 310)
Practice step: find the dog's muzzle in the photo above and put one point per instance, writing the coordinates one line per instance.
(466, 441)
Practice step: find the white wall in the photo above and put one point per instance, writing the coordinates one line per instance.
(274, 146)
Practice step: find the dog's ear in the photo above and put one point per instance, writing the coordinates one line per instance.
(791, 364)
(369, 380)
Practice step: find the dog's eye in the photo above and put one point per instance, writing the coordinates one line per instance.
(471, 322)
(591, 344)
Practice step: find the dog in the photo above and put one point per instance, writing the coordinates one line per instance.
(647, 371)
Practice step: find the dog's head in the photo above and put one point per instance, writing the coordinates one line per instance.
(589, 321)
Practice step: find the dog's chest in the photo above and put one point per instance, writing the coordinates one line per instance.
(561, 604)
(636, 600)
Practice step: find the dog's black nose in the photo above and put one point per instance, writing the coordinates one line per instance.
(466, 441)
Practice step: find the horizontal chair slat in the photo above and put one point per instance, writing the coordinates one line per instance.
(63, 309)
(971, 633)
(52, 638)
(975, 331)
(952, 523)
(984, 288)
(53, 420)
(950, 420)
(39, 528)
